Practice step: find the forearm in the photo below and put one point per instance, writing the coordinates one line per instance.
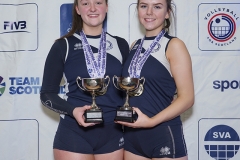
(179, 106)
(56, 103)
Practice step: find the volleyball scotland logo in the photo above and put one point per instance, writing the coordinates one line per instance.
(218, 27)
(2, 86)
(222, 142)
(221, 27)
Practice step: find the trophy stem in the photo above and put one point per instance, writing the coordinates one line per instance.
(94, 105)
(126, 104)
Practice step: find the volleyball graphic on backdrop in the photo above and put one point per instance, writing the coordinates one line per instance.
(221, 27)
(222, 142)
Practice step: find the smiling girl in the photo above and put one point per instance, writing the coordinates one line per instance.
(165, 64)
(69, 58)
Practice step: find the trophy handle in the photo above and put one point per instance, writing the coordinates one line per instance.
(115, 77)
(107, 77)
(79, 79)
(143, 79)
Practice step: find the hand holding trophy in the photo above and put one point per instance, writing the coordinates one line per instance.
(132, 87)
(96, 87)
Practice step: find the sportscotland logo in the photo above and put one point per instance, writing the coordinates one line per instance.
(224, 85)
(219, 139)
(2, 86)
(218, 27)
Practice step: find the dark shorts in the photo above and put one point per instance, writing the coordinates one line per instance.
(97, 139)
(158, 142)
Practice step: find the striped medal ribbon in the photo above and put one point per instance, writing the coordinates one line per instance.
(138, 61)
(96, 66)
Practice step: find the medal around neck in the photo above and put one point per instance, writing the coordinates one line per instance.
(138, 61)
(96, 87)
(132, 87)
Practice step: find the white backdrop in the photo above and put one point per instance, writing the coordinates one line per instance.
(211, 32)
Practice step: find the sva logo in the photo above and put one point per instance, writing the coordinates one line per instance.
(221, 135)
(221, 142)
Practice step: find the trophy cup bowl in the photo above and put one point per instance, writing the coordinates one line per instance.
(132, 87)
(96, 87)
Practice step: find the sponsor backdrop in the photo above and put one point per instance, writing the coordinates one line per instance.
(211, 32)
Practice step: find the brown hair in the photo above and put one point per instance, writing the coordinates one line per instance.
(170, 11)
(77, 22)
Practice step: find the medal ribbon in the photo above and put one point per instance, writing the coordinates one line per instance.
(96, 66)
(138, 61)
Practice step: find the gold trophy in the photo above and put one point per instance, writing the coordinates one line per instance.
(132, 87)
(96, 87)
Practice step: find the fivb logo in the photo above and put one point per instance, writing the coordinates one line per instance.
(220, 142)
(18, 26)
(19, 23)
(218, 26)
(66, 19)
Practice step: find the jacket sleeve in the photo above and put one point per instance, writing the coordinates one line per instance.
(52, 76)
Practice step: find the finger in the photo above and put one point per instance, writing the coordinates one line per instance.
(88, 124)
(80, 123)
(86, 107)
(125, 123)
(138, 111)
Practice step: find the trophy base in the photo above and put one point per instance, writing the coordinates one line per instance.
(93, 116)
(125, 116)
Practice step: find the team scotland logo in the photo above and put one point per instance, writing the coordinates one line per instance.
(219, 27)
(2, 86)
